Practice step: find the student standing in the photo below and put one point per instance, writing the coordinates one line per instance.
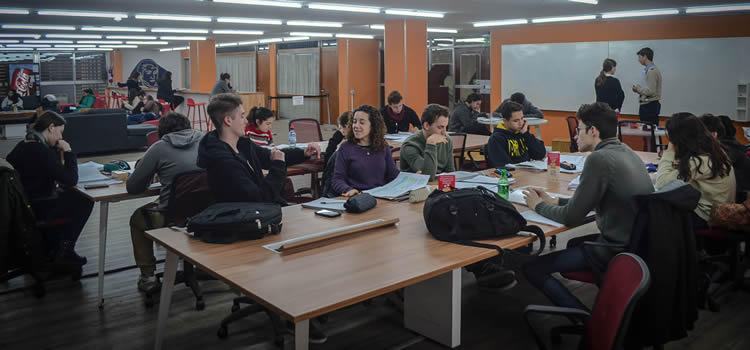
(397, 116)
(608, 88)
(649, 90)
(133, 84)
(429, 151)
(166, 93)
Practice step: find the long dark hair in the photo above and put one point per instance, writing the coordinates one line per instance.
(258, 114)
(377, 128)
(692, 140)
(606, 67)
(134, 75)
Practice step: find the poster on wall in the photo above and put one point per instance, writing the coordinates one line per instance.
(151, 72)
(24, 78)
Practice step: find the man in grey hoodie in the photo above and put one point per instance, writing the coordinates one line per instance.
(176, 152)
(529, 110)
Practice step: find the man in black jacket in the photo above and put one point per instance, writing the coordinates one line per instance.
(511, 142)
(397, 116)
(465, 114)
(235, 164)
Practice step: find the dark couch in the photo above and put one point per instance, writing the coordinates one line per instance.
(104, 130)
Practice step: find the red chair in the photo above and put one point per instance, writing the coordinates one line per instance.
(114, 100)
(100, 102)
(198, 107)
(165, 108)
(307, 129)
(626, 280)
(572, 126)
(459, 147)
(152, 137)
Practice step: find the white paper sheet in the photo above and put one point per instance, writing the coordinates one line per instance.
(747, 132)
(533, 164)
(465, 176)
(400, 186)
(89, 173)
(577, 160)
(400, 137)
(461, 184)
(533, 216)
(573, 185)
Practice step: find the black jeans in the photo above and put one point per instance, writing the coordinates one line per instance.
(649, 112)
(573, 258)
(70, 204)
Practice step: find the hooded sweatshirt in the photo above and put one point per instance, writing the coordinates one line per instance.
(40, 168)
(508, 147)
(238, 177)
(175, 153)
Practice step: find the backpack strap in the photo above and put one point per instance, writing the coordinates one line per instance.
(510, 253)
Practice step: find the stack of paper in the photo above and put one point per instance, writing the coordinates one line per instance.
(541, 165)
(574, 184)
(90, 174)
(533, 216)
(400, 187)
(400, 137)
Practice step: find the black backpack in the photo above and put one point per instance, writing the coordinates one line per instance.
(236, 221)
(464, 215)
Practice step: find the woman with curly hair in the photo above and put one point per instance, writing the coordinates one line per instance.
(364, 160)
(697, 158)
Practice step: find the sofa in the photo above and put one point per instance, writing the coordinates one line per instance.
(104, 130)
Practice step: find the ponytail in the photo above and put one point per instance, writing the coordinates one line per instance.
(259, 114)
(606, 67)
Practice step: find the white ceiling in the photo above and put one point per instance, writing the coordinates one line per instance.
(458, 14)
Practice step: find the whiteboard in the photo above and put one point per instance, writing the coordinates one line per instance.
(699, 75)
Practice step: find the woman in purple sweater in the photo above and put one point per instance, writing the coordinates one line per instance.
(364, 161)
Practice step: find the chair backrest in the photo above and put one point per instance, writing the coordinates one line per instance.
(459, 145)
(190, 102)
(646, 141)
(164, 107)
(626, 280)
(572, 126)
(152, 137)
(307, 130)
(189, 195)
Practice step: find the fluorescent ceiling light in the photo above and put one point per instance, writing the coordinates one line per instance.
(94, 49)
(8, 35)
(296, 38)
(444, 45)
(471, 40)
(131, 37)
(563, 19)
(377, 26)
(114, 15)
(120, 46)
(147, 42)
(226, 44)
(347, 8)
(180, 30)
(37, 26)
(54, 49)
(113, 29)
(505, 22)
(12, 41)
(442, 30)
(443, 39)
(263, 3)
(175, 49)
(241, 32)
(182, 38)
(28, 45)
(47, 41)
(248, 20)
(75, 45)
(311, 34)
(658, 12)
(313, 24)
(592, 2)
(354, 36)
(14, 49)
(271, 40)
(720, 8)
(173, 17)
(414, 13)
(98, 42)
(73, 36)
(9, 11)
(242, 43)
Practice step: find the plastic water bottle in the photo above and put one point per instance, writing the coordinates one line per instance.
(292, 136)
(503, 185)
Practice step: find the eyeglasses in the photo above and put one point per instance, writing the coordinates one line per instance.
(578, 131)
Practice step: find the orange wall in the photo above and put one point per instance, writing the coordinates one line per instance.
(202, 65)
(357, 70)
(329, 82)
(406, 61)
(115, 60)
(681, 27)
(273, 77)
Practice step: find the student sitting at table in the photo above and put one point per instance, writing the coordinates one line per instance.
(612, 175)
(429, 151)
(465, 114)
(235, 164)
(735, 150)
(338, 136)
(174, 153)
(529, 110)
(397, 116)
(12, 100)
(49, 169)
(260, 121)
(364, 160)
(697, 158)
(511, 142)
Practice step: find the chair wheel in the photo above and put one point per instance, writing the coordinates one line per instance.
(200, 305)
(39, 291)
(555, 339)
(222, 333)
(235, 308)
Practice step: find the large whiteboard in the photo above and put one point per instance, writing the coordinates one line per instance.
(699, 75)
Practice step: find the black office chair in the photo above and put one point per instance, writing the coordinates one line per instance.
(189, 195)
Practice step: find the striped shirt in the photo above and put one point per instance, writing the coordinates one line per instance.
(259, 137)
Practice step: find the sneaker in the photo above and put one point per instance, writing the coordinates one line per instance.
(148, 284)
(495, 279)
(316, 335)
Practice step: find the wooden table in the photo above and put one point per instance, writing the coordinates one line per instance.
(13, 124)
(314, 282)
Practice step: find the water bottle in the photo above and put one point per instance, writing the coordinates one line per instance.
(503, 185)
(292, 136)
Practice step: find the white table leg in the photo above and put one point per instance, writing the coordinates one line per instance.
(103, 217)
(167, 285)
(433, 308)
(538, 130)
(301, 335)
